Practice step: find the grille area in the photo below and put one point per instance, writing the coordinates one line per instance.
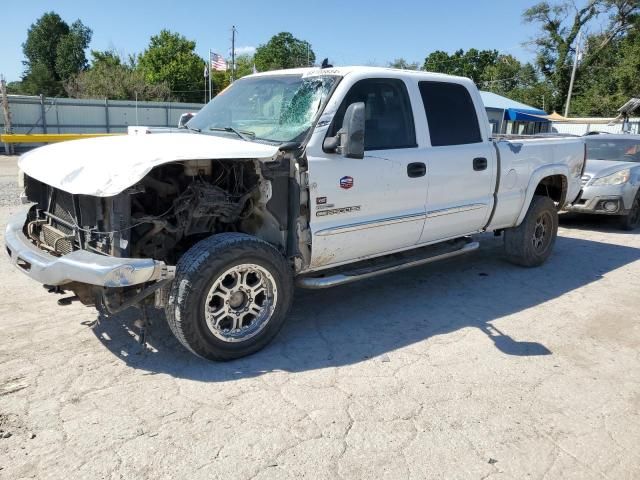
(58, 241)
(62, 212)
(51, 222)
(61, 222)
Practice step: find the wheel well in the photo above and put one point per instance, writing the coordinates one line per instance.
(554, 187)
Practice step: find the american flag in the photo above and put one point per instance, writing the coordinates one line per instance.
(218, 62)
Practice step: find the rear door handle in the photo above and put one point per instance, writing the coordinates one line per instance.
(416, 169)
(479, 163)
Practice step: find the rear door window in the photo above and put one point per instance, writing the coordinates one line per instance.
(451, 114)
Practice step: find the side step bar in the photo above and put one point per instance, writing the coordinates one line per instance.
(362, 273)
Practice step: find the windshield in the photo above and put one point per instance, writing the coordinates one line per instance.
(275, 108)
(619, 149)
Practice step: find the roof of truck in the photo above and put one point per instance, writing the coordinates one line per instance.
(342, 71)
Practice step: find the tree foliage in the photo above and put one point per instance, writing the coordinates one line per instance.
(284, 51)
(609, 81)
(560, 23)
(110, 77)
(495, 72)
(70, 56)
(403, 64)
(54, 52)
(170, 59)
(471, 63)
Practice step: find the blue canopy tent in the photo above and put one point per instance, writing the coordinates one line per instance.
(509, 116)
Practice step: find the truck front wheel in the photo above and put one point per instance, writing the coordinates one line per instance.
(530, 244)
(230, 296)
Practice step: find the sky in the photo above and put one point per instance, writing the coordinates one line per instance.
(348, 32)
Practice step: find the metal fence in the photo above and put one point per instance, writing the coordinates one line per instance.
(69, 115)
(594, 125)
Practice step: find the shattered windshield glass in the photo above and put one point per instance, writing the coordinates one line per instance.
(275, 108)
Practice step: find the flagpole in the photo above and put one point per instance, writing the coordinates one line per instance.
(233, 53)
(209, 66)
(206, 76)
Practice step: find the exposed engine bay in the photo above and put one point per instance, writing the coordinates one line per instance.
(171, 209)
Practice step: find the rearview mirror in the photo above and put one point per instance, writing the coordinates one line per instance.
(349, 141)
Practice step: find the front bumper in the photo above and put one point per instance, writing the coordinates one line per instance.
(78, 266)
(594, 200)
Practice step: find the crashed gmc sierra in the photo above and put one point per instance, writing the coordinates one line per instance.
(314, 177)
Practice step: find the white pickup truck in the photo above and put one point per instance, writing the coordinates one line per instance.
(314, 177)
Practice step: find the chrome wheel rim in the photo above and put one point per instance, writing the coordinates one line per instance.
(240, 303)
(540, 238)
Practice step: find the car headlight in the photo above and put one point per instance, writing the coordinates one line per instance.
(617, 178)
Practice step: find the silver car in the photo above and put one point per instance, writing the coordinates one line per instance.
(611, 178)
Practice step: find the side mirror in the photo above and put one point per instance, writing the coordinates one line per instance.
(349, 140)
(184, 118)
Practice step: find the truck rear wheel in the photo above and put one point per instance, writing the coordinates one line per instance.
(530, 244)
(230, 296)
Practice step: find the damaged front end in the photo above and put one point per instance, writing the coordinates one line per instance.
(155, 221)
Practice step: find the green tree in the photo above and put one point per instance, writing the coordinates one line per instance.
(170, 59)
(495, 72)
(54, 51)
(505, 74)
(403, 64)
(105, 58)
(471, 63)
(110, 77)
(284, 51)
(608, 82)
(560, 23)
(521, 82)
(70, 56)
(15, 88)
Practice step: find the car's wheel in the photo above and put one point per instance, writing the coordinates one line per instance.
(631, 221)
(531, 243)
(230, 296)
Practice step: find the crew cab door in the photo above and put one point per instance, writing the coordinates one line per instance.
(461, 162)
(363, 207)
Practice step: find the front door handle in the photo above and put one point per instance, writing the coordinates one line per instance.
(479, 163)
(416, 169)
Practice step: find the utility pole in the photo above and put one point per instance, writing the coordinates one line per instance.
(233, 53)
(8, 148)
(573, 74)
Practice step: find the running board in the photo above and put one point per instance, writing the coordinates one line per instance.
(345, 277)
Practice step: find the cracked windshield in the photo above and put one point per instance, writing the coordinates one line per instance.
(278, 108)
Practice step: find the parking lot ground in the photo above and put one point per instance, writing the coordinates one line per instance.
(472, 368)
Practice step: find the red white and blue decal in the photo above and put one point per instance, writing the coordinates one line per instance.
(346, 182)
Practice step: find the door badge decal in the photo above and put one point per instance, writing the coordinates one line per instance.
(346, 182)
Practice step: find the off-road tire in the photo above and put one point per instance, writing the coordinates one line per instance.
(631, 221)
(197, 271)
(521, 242)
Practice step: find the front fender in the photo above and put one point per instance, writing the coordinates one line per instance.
(536, 178)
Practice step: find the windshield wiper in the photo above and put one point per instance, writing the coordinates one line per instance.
(243, 134)
(192, 129)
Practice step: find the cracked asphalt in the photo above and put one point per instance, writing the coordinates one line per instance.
(468, 369)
